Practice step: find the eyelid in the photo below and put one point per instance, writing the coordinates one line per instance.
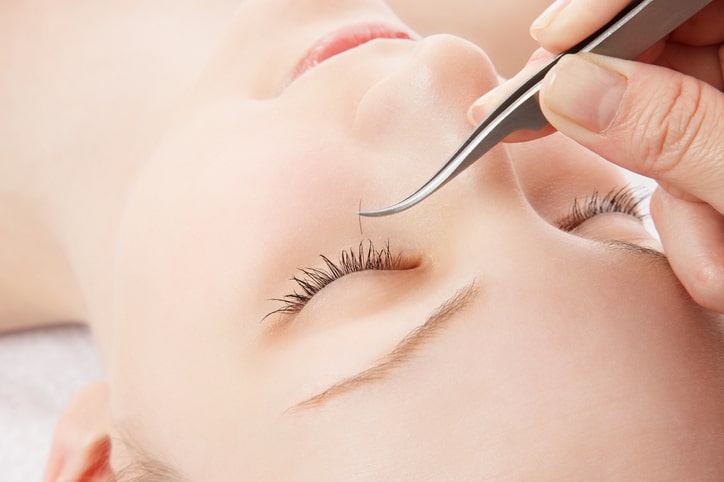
(403, 351)
(311, 281)
(625, 200)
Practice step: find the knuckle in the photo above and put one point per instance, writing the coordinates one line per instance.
(672, 125)
(707, 280)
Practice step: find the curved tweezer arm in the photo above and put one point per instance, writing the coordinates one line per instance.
(519, 111)
(641, 24)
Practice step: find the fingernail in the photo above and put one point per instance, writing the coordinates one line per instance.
(547, 17)
(540, 55)
(480, 109)
(584, 92)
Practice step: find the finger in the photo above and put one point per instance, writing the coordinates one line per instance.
(693, 237)
(567, 22)
(482, 107)
(652, 53)
(704, 28)
(645, 118)
(486, 104)
(700, 62)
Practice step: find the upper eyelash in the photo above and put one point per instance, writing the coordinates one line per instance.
(625, 200)
(311, 280)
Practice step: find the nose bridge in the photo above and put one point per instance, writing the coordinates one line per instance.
(479, 216)
(417, 115)
(487, 213)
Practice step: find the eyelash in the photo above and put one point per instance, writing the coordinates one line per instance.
(625, 200)
(310, 281)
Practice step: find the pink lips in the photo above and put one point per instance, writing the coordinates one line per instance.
(342, 40)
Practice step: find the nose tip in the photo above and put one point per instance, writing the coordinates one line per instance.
(460, 70)
(417, 116)
(447, 74)
(429, 93)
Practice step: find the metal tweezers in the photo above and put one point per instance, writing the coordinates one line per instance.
(639, 26)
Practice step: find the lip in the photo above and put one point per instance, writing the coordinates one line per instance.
(342, 40)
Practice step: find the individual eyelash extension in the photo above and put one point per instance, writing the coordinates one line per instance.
(625, 200)
(311, 280)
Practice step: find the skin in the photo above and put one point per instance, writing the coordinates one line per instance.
(64, 175)
(573, 355)
(499, 28)
(662, 120)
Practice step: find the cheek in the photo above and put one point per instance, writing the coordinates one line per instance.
(219, 220)
(588, 328)
(229, 203)
(211, 231)
(567, 171)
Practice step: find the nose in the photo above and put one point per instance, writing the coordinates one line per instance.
(417, 119)
(430, 94)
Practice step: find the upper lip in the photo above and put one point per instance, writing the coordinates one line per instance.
(342, 40)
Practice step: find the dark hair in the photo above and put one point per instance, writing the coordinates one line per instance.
(142, 467)
(147, 471)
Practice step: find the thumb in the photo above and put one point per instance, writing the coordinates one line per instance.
(645, 118)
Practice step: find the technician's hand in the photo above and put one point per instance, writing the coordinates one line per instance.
(664, 121)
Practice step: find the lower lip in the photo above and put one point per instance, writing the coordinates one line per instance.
(343, 40)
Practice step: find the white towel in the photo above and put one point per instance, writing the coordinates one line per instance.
(40, 371)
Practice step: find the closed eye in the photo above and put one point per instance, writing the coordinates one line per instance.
(311, 281)
(626, 200)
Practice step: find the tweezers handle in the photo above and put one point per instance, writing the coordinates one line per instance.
(633, 31)
(641, 25)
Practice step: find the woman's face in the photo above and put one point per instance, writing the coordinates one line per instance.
(488, 343)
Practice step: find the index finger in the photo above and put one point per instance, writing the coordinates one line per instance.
(567, 22)
(704, 28)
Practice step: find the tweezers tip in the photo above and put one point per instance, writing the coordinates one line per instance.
(376, 213)
(394, 209)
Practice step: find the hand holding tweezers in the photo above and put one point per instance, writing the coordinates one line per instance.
(639, 26)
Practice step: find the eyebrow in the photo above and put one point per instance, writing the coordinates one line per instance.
(402, 352)
(416, 338)
(651, 254)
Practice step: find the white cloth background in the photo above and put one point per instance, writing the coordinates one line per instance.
(40, 371)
